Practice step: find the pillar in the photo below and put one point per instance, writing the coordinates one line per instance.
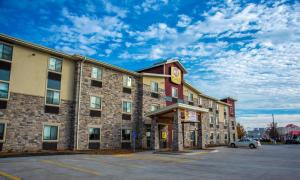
(177, 144)
(154, 134)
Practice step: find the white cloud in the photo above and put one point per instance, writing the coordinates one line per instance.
(149, 5)
(81, 34)
(114, 9)
(184, 20)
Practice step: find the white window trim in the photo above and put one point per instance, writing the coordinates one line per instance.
(62, 62)
(100, 103)
(200, 100)
(172, 92)
(8, 44)
(190, 100)
(217, 107)
(51, 124)
(122, 134)
(54, 105)
(211, 120)
(101, 69)
(5, 127)
(131, 106)
(125, 85)
(88, 132)
(151, 86)
(210, 103)
(8, 96)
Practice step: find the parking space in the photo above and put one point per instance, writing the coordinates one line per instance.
(268, 162)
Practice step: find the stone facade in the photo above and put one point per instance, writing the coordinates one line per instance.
(25, 117)
(112, 95)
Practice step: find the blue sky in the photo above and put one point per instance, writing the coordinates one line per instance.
(246, 49)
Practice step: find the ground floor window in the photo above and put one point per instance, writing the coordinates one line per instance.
(211, 136)
(2, 131)
(225, 136)
(126, 134)
(94, 134)
(50, 133)
(218, 136)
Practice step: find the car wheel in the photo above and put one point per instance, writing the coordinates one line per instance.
(251, 146)
(232, 145)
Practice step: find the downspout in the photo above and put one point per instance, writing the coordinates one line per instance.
(79, 101)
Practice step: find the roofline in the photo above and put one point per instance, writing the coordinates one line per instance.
(192, 87)
(154, 75)
(75, 57)
(164, 62)
(176, 106)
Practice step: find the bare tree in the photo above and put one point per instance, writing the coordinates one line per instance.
(272, 131)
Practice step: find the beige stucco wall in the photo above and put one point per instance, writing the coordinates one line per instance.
(29, 73)
(187, 90)
(161, 81)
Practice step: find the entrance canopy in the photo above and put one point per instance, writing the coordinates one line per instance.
(168, 111)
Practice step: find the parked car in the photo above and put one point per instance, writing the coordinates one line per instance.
(251, 143)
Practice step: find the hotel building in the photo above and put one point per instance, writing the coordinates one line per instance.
(50, 100)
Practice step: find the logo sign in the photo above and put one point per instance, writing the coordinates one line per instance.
(191, 116)
(175, 75)
(164, 135)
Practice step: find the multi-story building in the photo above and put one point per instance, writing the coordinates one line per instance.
(54, 100)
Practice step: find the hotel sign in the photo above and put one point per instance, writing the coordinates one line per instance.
(191, 116)
(175, 75)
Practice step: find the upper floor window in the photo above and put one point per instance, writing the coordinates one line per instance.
(5, 52)
(217, 107)
(55, 64)
(217, 120)
(50, 133)
(174, 92)
(2, 131)
(210, 103)
(94, 134)
(4, 90)
(190, 97)
(53, 97)
(154, 87)
(200, 100)
(96, 73)
(127, 81)
(127, 107)
(211, 135)
(154, 107)
(95, 102)
(211, 120)
(225, 121)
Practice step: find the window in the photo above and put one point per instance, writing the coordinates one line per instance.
(127, 81)
(154, 87)
(126, 134)
(127, 107)
(154, 107)
(211, 136)
(55, 64)
(96, 73)
(211, 120)
(50, 133)
(210, 103)
(95, 102)
(225, 136)
(53, 81)
(2, 131)
(218, 136)
(217, 107)
(200, 101)
(174, 92)
(225, 109)
(53, 97)
(4, 70)
(225, 121)
(217, 120)
(5, 52)
(190, 97)
(94, 134)
(4, 90)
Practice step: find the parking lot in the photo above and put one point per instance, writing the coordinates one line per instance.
(268, 162)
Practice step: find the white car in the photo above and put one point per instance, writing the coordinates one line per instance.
(245, 143)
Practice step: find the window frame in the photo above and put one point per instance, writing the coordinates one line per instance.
(100, 69)
(154, 82)
(200, 100)
(57, 136)
(123, 106)
(8, 92)
(217, 120)
(122, 135)
(12, 51)
(225, 136)
(211, 120)
(192, 96)
(127, 77)
(48, 65)
(210, 103)
(94, 127)
(55, 105)
(91, 108)
(153, 105)
(176, 92)
(4, 131)
(211, 136)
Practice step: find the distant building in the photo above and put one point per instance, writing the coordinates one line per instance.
(288, 132)
(256, 133)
